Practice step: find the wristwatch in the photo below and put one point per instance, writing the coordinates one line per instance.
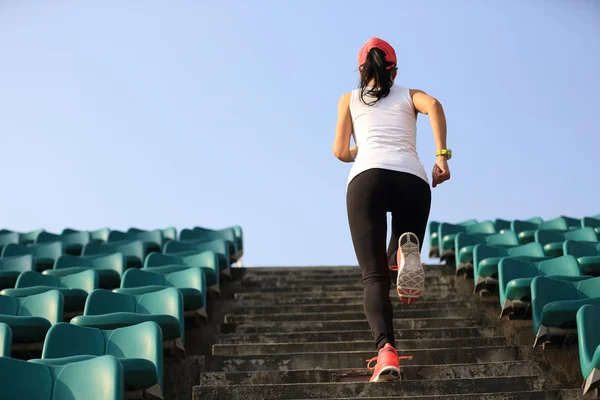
(444, 152)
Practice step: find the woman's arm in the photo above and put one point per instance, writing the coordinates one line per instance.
(343, 132)
(429, 105)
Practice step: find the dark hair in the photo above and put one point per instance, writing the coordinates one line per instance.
(376, 69)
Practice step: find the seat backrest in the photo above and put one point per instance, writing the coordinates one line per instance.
(143, 340)
(117, 236)
(572, 222)
(560, 266)
(588, 326)
(102, 301)
(502, 224)
(589, 221)
(133, 248)
(467, 239)
(48, 305)
(529, 250)
(190, 278)
(195, 234)
(13, 249)
(114, 261)
(545, 236)
(587, 234)
(588, 288)
(29, 237)
(579, 249)
(169, 233)
(134, 277)
(545, 290)
(17, 263)
(217, 246)
(447, 229)
(155, 236)
(204, 259)
(159, 259)
(33, 278)
(87, 280)
(100, 235)
(5, 340)
(46, 237)
(175, 247)
(50, 250)
(506, 238)
(482, 227)
(100, 378)
(559, 224)
(68, 261)
(22, 380)
(78, 238)
(519, 226)
(66, 340)
(94, 248)
(168, 301)
(9, 305)
(8, 238)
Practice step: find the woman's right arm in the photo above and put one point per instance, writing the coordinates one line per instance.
(429, 105)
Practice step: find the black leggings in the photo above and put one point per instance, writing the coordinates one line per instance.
(371, 195)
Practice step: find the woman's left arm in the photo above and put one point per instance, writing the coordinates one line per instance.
(343, 132)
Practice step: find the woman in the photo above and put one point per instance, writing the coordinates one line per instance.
(387, 176)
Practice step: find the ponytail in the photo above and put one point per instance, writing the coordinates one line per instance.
(379, 71)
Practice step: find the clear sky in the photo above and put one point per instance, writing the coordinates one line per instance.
(215, 113)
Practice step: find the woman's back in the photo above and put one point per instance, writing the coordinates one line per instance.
(385, 133)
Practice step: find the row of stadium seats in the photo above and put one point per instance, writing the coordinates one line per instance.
(127, 307)
(550, 272)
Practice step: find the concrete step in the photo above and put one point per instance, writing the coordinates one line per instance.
(364, 389)
(332, 308)
(234, 350)
(311, 326)
(327, 270)
(409, 372)
(352, 300)
(343, 336)
(357, 287)
(428, 294)
(356, 359)
(565, 394)
(305, 281)
(356, 315)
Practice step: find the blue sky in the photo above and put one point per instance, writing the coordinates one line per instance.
(187, 113)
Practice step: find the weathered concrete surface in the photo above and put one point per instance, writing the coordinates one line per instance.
(530, 395)
(356, 359)
(348, 389)
(235, 350)
(307, 326)
(409, 372)
(344, 336)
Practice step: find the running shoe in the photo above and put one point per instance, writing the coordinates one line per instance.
(411, 277)
(388, 365)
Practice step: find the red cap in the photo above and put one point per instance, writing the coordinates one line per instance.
(390, 54)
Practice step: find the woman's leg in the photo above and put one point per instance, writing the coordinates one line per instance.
(367, 216)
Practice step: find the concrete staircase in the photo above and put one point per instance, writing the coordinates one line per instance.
(300, 333)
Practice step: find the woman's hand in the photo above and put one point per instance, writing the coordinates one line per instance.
(441, 172)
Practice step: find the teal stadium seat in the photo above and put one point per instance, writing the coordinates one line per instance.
(44, 254)
(219, 247)
(134, 251)
(553, 240)
(527, 233)
(191, 282)
(26, 238)
(109, 267)
(588, 255)
(502, 224)
(30, 317)
(152, 240)
(447, 235)
(108, 310)
(12, 267)
(5, 340)
(75, 287)
(592, 222)
(434, 250)
(98, 379)
(486, 259)
(72, 242)
(588, 338)
(167, 263)
(233, 235)
(465, 244)
(555, 302)
(515, 277)
(7, 237)
(137, 347)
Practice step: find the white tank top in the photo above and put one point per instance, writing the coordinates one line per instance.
(386, 134)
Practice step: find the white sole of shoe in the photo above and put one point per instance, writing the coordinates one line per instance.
(387, 374)
(411, 277)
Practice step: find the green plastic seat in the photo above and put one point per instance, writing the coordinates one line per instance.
(137, 347)
(200, 235)
(553, 241)
(134, 251)
(12, 267)
(502, 224)
(26, 238)
(73, 242)
(74, 288)
(528, 235)
(587, 254)
(447, 236)
(108, 310)
(465, 244)
(486, 259)
(191, 282)
(45, 254)
(515, 277)
(30, 317)
(219, 247)
(592, 222)
(433, 239)
(109, 267)
(588, 327)
(555, 302)
(100, 378)
(167, 263)
(8, 237)
(170, 233)
(5, 340)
